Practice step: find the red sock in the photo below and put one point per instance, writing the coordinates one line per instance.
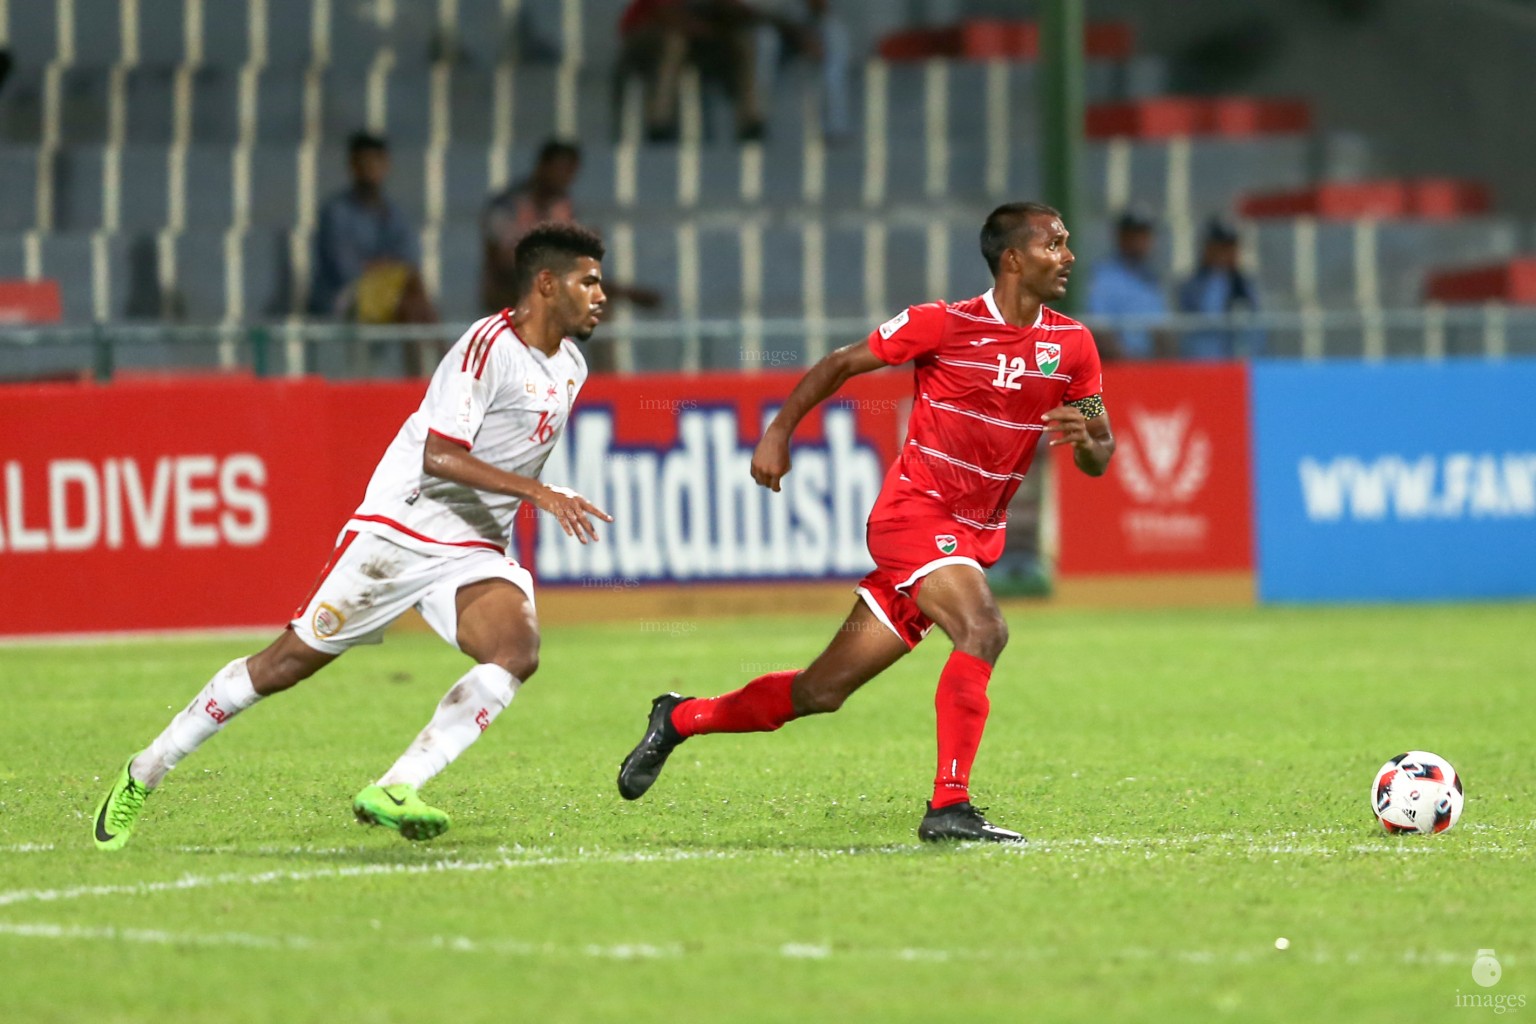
(961, 704)
(762, 705)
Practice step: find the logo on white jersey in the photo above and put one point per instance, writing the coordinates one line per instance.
(1047, 356)
(327, 621)
(893, 325)
(1164, 462)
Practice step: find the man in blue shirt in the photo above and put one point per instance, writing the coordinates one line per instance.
(1125, 285)
(1219, 286)
(366, 255)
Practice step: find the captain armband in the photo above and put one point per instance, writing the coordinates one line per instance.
(1090, 407)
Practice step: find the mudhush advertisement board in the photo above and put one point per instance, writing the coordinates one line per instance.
(190, 503)
(1176, 498)
(1396, 481)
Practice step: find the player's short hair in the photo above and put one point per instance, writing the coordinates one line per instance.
(554, 149)
(554, 246)
(1004, 227)
(366, 142)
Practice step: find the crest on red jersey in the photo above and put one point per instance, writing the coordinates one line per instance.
(1047, 356)
(946, 543)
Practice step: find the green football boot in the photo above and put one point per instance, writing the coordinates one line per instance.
(119, 811)
(398, 807)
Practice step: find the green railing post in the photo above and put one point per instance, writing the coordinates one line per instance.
(260, 340)
(101, 352)
(1061, 115)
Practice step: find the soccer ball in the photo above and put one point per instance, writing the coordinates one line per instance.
(1416, 792)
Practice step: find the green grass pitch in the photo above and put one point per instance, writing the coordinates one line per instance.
(1194, 784)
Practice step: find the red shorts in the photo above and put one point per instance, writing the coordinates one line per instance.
(905, 551)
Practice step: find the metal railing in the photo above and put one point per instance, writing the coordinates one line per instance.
(630, 345)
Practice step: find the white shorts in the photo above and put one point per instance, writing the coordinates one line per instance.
(370, 582)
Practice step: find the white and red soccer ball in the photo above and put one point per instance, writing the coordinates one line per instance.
(1417, 792)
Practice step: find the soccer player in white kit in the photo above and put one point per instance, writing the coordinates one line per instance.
(433, 532)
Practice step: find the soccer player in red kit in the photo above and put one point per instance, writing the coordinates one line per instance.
(993, 374)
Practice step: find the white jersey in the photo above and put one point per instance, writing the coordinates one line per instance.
(499, 398)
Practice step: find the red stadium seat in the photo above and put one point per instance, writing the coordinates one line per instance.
(1513, 282)
(1001, 39)
(1441, 198)
(1164, 117)
(31, 302)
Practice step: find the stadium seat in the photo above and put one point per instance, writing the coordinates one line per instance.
(38, 24)
(289, 36)
(77, 195)
(720, 269)
(462, 255)
(466, 185)
(844, 279)
(409, 107)
(200, 277)
(13, 255)
(534, 92)
(162, 33)
(482, 38)
(151, 102)
(226, 36)
(274, 186)
(97, 32)
(280, 106)
(1512, 281)
(83, 106)
(268, 284)
(344, 102)
(471, 106)
(906, 267)
(720, 175)
(783, 271)
(145, 203)
(1221, 170)
(18, 184)
(216, 105)
(210, 188)
(67, 257)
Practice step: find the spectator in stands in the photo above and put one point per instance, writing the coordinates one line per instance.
(1126, 285)
(366, 255)
(1219, 286)
(544, 195)
(809, 29)
(659, 36)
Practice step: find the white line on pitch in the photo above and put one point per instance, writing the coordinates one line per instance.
(512, 857)
(498, 946)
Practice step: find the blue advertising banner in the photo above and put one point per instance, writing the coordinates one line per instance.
(1395, 481)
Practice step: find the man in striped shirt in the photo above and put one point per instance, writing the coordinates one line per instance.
(433, 532)
(994, 374)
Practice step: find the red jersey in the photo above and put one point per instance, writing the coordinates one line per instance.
(981, 388)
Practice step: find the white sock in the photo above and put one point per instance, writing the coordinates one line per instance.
(465, 711)
(227, 694)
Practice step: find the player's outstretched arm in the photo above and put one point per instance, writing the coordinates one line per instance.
(1093, 444)
(446, 460)
(771, 459)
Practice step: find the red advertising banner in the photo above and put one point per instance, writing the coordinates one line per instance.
(1177, 497)
(204, 502)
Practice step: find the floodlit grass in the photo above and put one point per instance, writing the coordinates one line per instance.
(1194, 785)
